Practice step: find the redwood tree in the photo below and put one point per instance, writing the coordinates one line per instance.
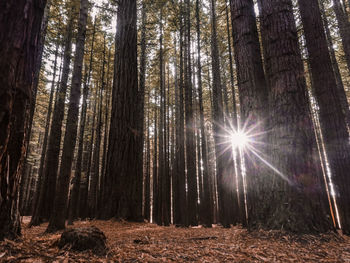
(332, 118)
(293, 194)
(20, 23)
(123, 192)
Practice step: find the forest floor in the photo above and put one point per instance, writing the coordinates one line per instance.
(142, 242)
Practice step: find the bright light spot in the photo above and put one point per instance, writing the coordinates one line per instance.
(239, 139)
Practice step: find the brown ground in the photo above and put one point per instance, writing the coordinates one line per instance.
(131, 242)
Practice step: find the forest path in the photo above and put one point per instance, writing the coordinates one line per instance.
(142, 242)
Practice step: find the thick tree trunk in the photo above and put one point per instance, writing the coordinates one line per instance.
(18, 52)
(332, 118)
(124, 173)
(293, 194)
(253, 101)
(58, 216)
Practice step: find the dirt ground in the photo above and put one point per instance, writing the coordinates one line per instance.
(142, 242)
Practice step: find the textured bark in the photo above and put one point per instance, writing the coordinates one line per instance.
(58, 216)
(295, 194)
(72, 214)
(341, 91)
(344, 29)
(253, 100)
(20, 24)
(124, 173)
(332, 118)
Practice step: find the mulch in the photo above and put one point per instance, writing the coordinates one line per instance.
(144, 242)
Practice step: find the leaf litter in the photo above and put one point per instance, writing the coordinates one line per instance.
(144, 242)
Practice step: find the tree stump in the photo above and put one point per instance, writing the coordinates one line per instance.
(84, 238)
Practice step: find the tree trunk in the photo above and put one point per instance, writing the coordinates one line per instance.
(124, 173)
(72, 214)
(190, 138)
(44, 147)
(332, 118)
(293, 194)
(58, 216)
(48, 185)
(341, 91)
(18, 52)
(206, 214)
(253, 101)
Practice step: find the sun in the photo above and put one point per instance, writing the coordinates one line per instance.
(239, 139)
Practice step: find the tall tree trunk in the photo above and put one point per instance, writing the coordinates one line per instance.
(293, 192)
(58, 216)
(46, 135)
(222, 151)
(206, 214)
(190, 138)
(72, 214)
(179, 178)
(43, 31)
(96, 176)
(19, 53)
(124, 172)
(48, 186)
(253, 101)
(332, 118)
(142, 78)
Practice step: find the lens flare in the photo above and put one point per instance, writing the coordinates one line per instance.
(239, 139)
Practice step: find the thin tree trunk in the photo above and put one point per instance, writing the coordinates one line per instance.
(47, 192)
(40, 187)
(72, 214)
(58, 216)
(189, 120)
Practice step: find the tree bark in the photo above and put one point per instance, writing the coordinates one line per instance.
(18, 51)
(253, 101)
(124, 173)
(294, 192)
(332, 118)
(344, 29)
